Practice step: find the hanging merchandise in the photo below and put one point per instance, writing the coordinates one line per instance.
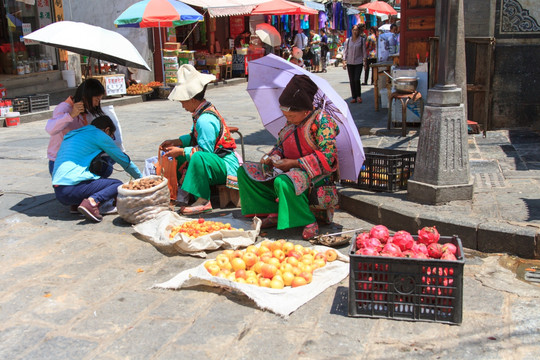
(322, 19)
(304, 24)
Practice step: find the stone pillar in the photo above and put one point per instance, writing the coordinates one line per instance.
(442, 171)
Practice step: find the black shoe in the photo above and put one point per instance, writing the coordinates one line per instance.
(364, 83)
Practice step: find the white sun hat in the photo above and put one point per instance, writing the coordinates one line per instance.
(190, 83)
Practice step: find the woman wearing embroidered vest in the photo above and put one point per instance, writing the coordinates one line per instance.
(306, 154)
(77, 111)
(208, 150)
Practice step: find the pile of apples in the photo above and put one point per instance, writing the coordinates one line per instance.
(273, 264)
(200, 227)
(378, 242)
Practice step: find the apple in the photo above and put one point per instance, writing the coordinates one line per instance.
(309, 268)
(295, 254)
(263, 249)
(252, 280)
(222, 274)
(252, 249)
(228, 253)
(287, 246)
(266, 243)
(265, 258)
(268, 271)
(292, 260)
(319, 263)
(320, 255)
(251, 273)
(231, 277)
(213, 269)
(279, 254)
(277, 284)
(258, 266)
(278, 277)
(274, 261)
(296, 271)
(240, 280)
(250, 258)
(284, 267)
(237, 254)
(241, 274)
(298, 281)
(288, 278)
(307, 275)
(210, 262)
(222, 260)
(299, 248)
(275, 246)
(264, 282)
(331, 255)
(307, 259)
(238, 263)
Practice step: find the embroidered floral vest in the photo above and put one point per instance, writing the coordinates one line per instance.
(224, 140)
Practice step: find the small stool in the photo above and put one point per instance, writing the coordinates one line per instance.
(234, 129)
(228, 195)
(228, 71)
(405, 98)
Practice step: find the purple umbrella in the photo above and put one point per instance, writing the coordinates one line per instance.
(269, 75)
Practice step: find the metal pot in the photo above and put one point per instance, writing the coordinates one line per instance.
(405, 85)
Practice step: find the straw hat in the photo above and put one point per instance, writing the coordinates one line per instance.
(190, 83)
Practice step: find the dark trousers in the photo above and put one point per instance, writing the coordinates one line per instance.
(366, 72)
(355, 72)
(100, 190)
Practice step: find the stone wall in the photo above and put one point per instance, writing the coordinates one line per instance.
(516, 72)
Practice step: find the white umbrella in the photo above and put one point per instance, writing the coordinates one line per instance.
(385, 27)
(91, 41)
(268, 34)
(269, 75)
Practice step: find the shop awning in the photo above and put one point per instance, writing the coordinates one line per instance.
(218, 8)
(314, 5)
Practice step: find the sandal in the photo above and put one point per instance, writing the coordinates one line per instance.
(270, 221)
(310, 231)
(359, 100)
(353, 100)
(196, 210)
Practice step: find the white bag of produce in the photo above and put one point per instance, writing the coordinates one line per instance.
(136, 206)
(157, 231)
(280, 301)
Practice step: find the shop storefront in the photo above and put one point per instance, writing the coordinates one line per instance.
(19, 18)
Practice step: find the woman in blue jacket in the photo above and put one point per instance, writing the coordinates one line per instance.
(73, 182)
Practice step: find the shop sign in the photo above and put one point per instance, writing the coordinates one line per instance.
(115, 85)
(236, 24)
(27, 29)
(44, 12)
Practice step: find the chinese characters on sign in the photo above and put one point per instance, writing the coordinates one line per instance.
(115, 85)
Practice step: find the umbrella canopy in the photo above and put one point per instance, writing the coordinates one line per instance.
(268, 34)
(385, 27)
(158, 13)
(218, 8)
(379, 7)
(269, 75)
(90, 40)
(283, 7)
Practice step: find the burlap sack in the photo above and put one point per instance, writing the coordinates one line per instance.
(136, 206)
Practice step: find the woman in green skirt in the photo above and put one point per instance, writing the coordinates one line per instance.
(208, 151)
(304, 157)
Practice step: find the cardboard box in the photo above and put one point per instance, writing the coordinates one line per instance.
(171, 46)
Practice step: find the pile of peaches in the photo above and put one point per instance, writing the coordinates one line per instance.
(273, 264)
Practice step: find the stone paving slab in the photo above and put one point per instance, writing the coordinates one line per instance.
(74, 290)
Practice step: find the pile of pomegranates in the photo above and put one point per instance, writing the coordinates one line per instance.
(379, 242)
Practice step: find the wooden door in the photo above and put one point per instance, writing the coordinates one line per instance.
(417, 26)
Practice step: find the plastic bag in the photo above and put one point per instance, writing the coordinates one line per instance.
(167, 167)
(149, 166)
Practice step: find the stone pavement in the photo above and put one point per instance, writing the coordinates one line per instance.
(75, 290)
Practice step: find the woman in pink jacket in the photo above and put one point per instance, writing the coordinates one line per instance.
(77, 111)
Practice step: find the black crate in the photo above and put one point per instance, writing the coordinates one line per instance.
(386, 169)
(20, 104)
(39, 102)
(406, 288)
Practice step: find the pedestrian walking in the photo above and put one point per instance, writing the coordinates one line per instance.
(354, 55)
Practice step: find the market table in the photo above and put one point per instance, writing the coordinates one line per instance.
(379, 68)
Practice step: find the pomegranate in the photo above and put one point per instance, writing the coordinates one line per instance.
(368, 251)
(403, 239)
(420, 248)
(391, 250)
(428, 235)
(446, 255)
(435, 250)
(449, 247)
(379, 232)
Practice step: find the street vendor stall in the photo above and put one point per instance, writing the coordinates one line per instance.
(114, 84)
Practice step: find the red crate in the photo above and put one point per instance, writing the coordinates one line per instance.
(407, 288)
